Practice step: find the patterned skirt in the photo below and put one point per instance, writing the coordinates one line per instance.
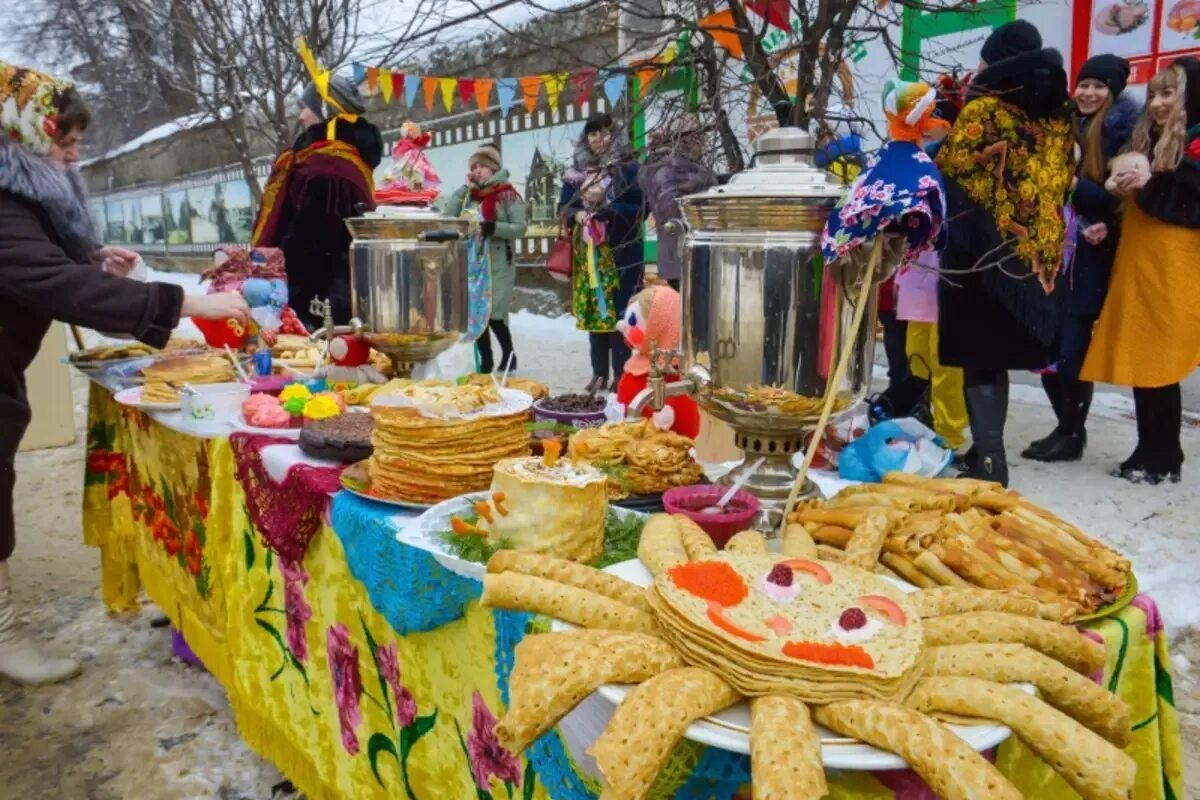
(594, 285)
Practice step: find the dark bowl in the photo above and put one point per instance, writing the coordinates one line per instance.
(576, 419)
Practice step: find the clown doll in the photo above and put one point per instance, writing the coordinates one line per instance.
(653, 319)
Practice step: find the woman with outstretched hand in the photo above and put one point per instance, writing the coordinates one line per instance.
(52, 269)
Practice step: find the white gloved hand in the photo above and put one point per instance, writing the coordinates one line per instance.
(664, 420)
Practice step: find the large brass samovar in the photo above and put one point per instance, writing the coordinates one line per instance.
(760, 309)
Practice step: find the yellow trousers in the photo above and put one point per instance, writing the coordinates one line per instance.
(945, 383)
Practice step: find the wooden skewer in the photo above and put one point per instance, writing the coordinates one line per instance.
(835, 380)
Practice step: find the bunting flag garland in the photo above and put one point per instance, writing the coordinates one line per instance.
(554, 85)
(360, 73)
(466, 90)
(447, 86)
(506, 93)
(614, 87)
(583, 82)
(372, 79)
(483, 92)
(429, 84)
(386, 86)
(720, 26)
(397, 85)
(410, 91)
(776, 12)
(530, 86)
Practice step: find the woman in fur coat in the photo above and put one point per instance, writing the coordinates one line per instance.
(1007, 166)
(51, 269)
(1103, 121)
(1148, 333)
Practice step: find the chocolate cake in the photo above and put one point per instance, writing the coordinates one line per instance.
(346, 437)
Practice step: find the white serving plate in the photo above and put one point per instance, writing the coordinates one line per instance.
(730, 729)
(132, 397)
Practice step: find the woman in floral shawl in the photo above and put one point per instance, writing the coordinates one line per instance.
(1007, 166)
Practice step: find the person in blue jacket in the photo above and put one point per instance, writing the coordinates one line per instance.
(602, 206)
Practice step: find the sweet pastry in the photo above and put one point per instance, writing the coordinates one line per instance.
(265, 411)
(346, 437)
(323, 406)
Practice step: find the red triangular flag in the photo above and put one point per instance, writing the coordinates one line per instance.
(775, 12)
(466, 90)
(397, 85)
(583, 82)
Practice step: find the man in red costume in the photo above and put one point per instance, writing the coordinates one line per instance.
(654, 318)
(324, 178)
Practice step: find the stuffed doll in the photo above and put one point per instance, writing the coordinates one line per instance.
(899, 195)
(654, 316)
(411, 180)
(259, 275)
(353, 364)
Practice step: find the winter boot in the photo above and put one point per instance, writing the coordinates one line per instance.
(987, 407)
(1068, 441)
(1054, 391)
(20, 660)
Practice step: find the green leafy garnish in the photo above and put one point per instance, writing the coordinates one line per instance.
(471, 546)
(621, 535)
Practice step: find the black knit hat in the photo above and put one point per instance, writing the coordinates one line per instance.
(1010, 39)
(1112, 71)
(1191, 91)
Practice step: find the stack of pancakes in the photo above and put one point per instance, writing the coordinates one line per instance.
(164, 378)
(771, 640)
(420, 458)
(638, 458)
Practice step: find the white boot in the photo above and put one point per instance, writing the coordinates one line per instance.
(20, 660)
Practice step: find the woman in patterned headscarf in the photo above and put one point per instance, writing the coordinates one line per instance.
(51, 269)
(1007, 166)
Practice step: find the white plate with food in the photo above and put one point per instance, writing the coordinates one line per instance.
(730, 729)
(239, 424)
(132, 397)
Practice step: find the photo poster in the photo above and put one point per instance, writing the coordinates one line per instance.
(450, 164)
(153, 223)
(177, 218)
(133, 220)
(114, 217)
(1149, 33)
(536, 161)
(96, 209)
(235, 220)
(202, 201)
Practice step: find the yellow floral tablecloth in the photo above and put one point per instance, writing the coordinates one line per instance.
(358, 682)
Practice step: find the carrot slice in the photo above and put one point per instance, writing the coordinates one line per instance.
(717, 617)
(886, 606)
(811, 567)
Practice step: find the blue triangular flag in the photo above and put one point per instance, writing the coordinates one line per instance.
(614, 87)
(412, 83)
(360, 73)
(506, 92)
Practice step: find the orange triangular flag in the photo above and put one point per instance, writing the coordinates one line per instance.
(530, 84)
(372, 79)
(483, 93)
(554, 85)
(385, 84)
(430, 85)
(645, 76)
(448, 85)
(721, 28)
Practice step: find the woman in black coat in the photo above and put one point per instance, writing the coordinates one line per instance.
(1007, 166)
(1104, 120)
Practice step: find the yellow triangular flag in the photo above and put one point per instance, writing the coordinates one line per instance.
(555, 82)
(385, 84)
(448, 85)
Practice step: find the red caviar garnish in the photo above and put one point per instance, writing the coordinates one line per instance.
(715, 581)
(837, 654)
(716, 615)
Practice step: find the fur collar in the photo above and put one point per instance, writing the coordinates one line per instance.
(1119, 123)
(59, 193)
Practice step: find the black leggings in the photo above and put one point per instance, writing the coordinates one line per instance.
(1159, 424)
(608, 351)
(484, 343)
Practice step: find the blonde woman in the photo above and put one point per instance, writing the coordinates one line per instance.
(1148, 334)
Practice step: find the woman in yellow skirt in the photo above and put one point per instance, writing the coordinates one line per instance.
(1148, 334)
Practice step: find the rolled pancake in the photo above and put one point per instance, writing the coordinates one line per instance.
(948, 764)
(797, 542)
(698, 544)
(570, 573)
(1093, 767)
(785, 750)
(554, 672)
(1075, 695)
(661, 544)
(955, 600)
(648, 724)
(862, 551)
(749, 541)
(1061, 642)
(516, 592)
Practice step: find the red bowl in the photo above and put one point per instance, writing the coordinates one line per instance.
(691, 500)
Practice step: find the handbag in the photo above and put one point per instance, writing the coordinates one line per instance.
(558, 262)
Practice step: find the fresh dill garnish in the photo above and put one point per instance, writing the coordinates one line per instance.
(621, 535)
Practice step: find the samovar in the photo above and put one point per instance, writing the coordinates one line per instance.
(408, 284)
(762, 314)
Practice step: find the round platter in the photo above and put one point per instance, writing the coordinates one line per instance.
(354, 480)
(730, 729)
(132, 397)
(1123, 599)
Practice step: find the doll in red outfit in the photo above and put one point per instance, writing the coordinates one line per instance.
(654, 316)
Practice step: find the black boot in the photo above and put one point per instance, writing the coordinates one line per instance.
(484, 346)
(1053, 385)
(987, 407)
(1067, 443)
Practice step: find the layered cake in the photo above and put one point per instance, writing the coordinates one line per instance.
(342, 438)
(544, 505)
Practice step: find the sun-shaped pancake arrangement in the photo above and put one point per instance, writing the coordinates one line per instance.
(805, 641)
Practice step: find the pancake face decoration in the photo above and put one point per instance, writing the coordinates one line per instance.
(767, 623)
